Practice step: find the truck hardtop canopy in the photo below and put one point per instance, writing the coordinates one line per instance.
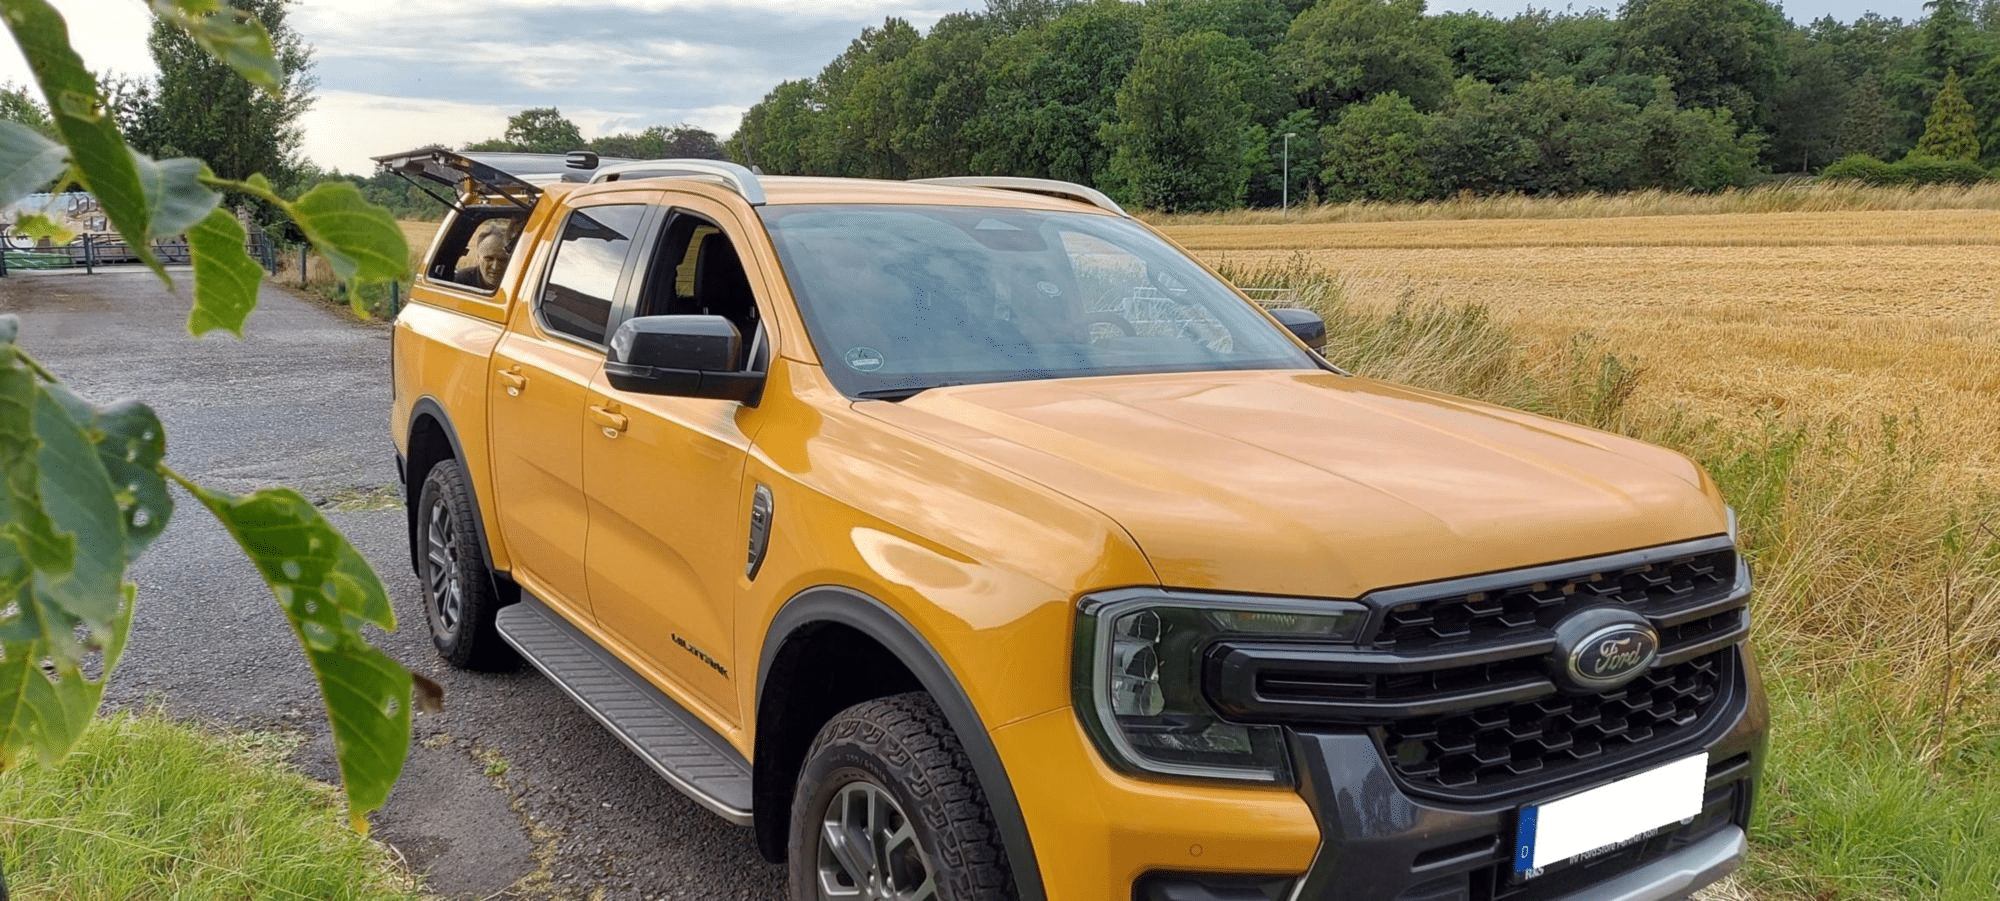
(518, 177)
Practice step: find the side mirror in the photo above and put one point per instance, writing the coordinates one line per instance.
(681, 356)
(1304, 323)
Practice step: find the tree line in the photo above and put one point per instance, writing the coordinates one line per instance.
(1212, 104)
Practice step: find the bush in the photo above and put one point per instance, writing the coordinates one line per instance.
(1862, 168)
(1911, 170)
(1919, 170)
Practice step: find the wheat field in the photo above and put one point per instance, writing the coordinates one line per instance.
(1732, 316)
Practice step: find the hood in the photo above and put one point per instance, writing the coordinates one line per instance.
(1318, 484)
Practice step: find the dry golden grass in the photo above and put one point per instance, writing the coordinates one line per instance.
(1732, 316)
(1779, 197)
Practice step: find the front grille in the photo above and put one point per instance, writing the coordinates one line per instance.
(1456, 680)
(1502, 746)
(1511, 611)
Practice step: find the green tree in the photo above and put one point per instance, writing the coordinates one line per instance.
(1949, 133)
(1346, 51)
(1054, 92)
(658, 142)
(1868, 125)
(540, 129)
(1716, 53)
(1183, 133)
(1376, 152)
(84, 490)
(1807, 107)
(201, 108)
(941, 97)
(19, 105)
(776, 133)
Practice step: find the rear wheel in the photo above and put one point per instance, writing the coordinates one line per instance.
(887, 809)
(459, 599)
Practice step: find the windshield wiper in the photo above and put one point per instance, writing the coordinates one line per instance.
(899, 392)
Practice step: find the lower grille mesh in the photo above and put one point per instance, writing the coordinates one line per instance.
(1498, 747)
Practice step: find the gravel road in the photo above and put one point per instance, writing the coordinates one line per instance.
(512, 791)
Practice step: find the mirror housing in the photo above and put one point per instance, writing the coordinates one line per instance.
(1306, 324)
(681, 356)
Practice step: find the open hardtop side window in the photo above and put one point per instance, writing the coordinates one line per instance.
(508, 177)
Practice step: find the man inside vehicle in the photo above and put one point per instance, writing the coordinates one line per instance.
(492, 243)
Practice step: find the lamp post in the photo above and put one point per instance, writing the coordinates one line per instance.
(1287, 201)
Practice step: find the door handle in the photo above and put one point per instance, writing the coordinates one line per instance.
(514, 380)
(609, 419)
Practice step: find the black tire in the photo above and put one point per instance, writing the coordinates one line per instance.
(889, 782)
(458, 594)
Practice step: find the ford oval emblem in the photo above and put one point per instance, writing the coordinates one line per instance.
(1612, 656)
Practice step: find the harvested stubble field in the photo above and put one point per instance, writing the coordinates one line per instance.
(1730, 316)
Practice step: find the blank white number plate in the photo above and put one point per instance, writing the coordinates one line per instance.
(1559, 830)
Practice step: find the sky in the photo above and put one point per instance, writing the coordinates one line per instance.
(398, 74)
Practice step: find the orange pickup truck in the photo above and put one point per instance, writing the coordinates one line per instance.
(968, 541)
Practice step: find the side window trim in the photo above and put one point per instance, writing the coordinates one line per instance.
(622, 294)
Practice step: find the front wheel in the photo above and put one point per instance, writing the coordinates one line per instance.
(459, 598)
(887, 809)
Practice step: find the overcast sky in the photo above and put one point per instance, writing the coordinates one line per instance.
(398, 74)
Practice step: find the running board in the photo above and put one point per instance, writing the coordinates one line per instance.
(686, 751)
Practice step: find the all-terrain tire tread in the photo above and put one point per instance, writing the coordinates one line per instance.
(478, 645)
(908, 733)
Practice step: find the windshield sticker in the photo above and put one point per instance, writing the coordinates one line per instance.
(864, 359)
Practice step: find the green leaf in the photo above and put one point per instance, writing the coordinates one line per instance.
(36, 225)
(47, 702)
(225, 278)
(360, 240)
(102, 161)
(81, 495)
(230, 35)
(28, 161)
(176, 200)
(329, 593)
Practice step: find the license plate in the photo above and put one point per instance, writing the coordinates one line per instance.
(1562, 830)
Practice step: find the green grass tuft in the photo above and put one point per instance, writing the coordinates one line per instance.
(149, 809)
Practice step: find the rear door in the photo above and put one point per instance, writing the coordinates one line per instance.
(541, 374)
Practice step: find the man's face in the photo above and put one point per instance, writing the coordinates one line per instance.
(492, 258)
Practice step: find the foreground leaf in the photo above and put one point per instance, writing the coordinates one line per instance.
(81, 496)
(230, 35)
(360, 240)
(28, 161)
(102, 161)
(329, 593)
(225, 278)
(176, 200)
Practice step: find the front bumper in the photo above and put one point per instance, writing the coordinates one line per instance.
(1349, 832)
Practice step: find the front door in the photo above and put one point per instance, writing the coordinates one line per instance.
(668, 508)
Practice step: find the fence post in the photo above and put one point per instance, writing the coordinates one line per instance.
(395, 295)
(89, 256)
(302, 265)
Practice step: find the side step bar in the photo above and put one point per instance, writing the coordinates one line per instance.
(686, 751)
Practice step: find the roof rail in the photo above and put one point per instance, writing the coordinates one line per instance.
(743, 181)
(1045, 186)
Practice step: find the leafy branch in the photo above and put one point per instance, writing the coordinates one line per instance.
(84, 489)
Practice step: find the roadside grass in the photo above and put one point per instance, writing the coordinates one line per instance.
(1876, 546)
(150, 809)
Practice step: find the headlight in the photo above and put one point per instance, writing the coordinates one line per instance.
(1138, 678)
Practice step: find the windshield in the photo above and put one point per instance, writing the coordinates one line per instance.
(902, 298)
